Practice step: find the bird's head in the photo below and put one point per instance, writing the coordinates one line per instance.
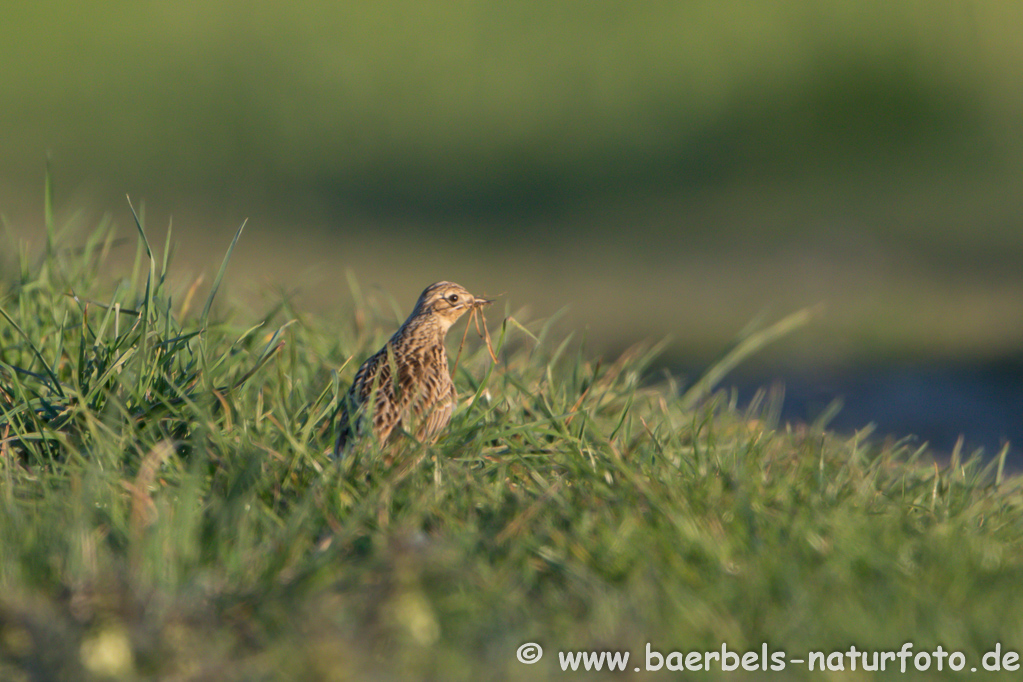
(446, 302)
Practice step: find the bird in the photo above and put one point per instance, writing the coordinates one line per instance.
(407, 385)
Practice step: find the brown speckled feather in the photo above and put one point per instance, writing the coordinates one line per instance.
(406, 385)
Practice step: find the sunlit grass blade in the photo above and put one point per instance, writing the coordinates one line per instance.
(518, 325)
(272, 347)
(166, 252)
(743, 350)
(48, 221)
(147, 311)
(204, 317)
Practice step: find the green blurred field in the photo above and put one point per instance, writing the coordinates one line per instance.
(466, 105)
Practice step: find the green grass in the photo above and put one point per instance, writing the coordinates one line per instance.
(169, 512)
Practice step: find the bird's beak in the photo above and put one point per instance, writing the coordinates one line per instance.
(480, 302)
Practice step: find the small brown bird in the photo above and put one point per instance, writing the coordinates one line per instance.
(408, 381)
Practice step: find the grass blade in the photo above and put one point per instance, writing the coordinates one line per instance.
(49, 372)
(744, 349)
(204, 318)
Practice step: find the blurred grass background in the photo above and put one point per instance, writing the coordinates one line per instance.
(660, 168)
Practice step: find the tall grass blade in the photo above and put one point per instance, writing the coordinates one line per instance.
(147, 306)
(743, 350)
(1001, 465)
(48, 209)
(204, 318)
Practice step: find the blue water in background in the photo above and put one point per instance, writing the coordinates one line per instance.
(936, 403)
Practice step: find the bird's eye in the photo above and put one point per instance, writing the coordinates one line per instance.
(453, 298)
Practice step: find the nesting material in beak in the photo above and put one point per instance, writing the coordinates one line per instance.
(475, 314)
